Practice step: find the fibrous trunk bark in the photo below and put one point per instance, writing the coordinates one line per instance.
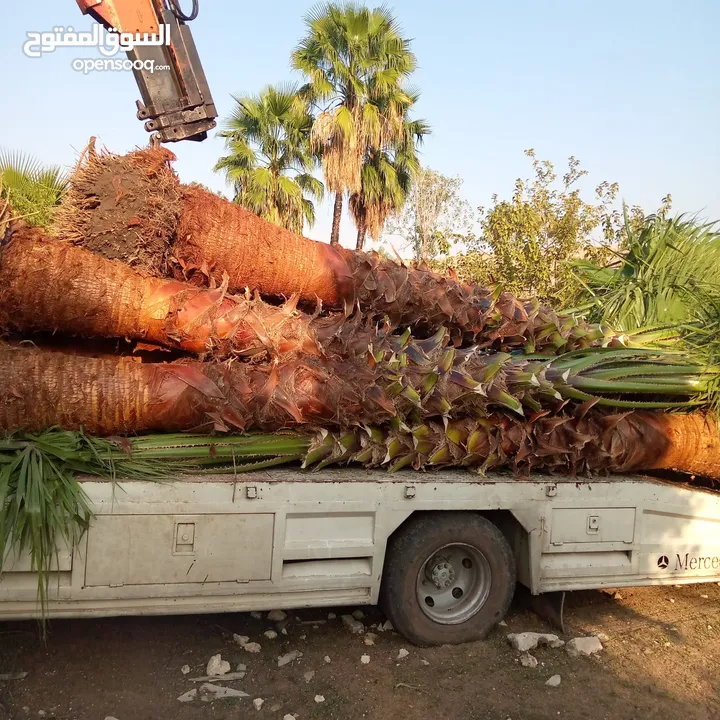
(337, 214)
(40, 389)
(362, 232)
(50, 286)
(121, 205)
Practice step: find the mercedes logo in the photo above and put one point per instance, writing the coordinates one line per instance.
(663, 562)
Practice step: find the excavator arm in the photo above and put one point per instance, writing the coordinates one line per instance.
(176, 103)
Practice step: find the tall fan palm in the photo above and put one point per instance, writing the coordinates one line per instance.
(356, 61)
(386, 179)
(270, 159)
(33, 190)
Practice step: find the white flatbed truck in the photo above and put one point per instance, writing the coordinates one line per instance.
(441, 551)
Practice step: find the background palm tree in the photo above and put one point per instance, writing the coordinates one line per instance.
(355, 60)
(270, 159)
(32, 189)
(386, 179)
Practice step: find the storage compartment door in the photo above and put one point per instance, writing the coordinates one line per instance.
(168, 549)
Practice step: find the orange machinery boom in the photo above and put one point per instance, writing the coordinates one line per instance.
(176, 102)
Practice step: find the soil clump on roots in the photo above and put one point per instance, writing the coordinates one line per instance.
(123, 207)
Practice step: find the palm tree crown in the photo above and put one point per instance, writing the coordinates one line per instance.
(356, 61)
(270, 159)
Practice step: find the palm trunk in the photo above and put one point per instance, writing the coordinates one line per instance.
(49, 286)
(122, 205)
(40, 389)
(362, 231)
(337, 213)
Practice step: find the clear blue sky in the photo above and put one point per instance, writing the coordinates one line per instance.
(631, 88)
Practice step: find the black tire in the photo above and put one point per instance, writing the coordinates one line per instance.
(416, 542)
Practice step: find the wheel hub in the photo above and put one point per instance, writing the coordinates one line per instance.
(442, 573)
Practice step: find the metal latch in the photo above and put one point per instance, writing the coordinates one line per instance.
(251, 492)
(551, 490)
(593, 524)
(409, 492)
(184, 539)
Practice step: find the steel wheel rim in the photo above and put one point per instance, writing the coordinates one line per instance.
(453, 583)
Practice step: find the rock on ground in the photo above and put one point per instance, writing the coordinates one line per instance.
(258, 703)
(319, 698)
(255, 614)
(253, 647)
(402, 654)
(241, 640)
(358, 614)
(217, 666)
(309, 675)
(365, 659)
(270, 634)
(370, 638)
(209, 692)
(276, 615)
(554, 681)
(353, 625)
(530, 640)
(189, 696)
(185, 669)
(287, 658)
(529, 661)
(584, 646)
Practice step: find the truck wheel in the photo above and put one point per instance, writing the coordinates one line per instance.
(449, 578)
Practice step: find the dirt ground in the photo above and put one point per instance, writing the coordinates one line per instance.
(661, 660)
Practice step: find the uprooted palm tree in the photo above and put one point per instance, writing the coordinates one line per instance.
(270, 160)
(356, 61)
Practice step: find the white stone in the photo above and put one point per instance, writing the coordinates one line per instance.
(258, 703)
(331, 616)
(370, 638)
(241, 667)
(530, 640)
(502, 623)
(601, 636)
(704, 597)
(617, 596)
(319, 698)
(209, 692)
(241, 640)
(185, 669)
(255, 614)
(217, 666)
(253, 647)
(402, 654)
(270, 634)
(584, 646)
(189, 696)
(358, 614)
(529, 661)
(110, 717)
(284, 631)
(217, 678)
(288, 717)
(424, 661)
(353, 625)
(327, 659)
(309, 675)
(276, 616)
(387, 625)
(365, 659)
(287, 658)
(554, 681)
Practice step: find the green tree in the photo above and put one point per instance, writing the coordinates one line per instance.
(387, 179)
(356, 61)
(270, 160)
(434, 217)
(527, 243)
(31, 189)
